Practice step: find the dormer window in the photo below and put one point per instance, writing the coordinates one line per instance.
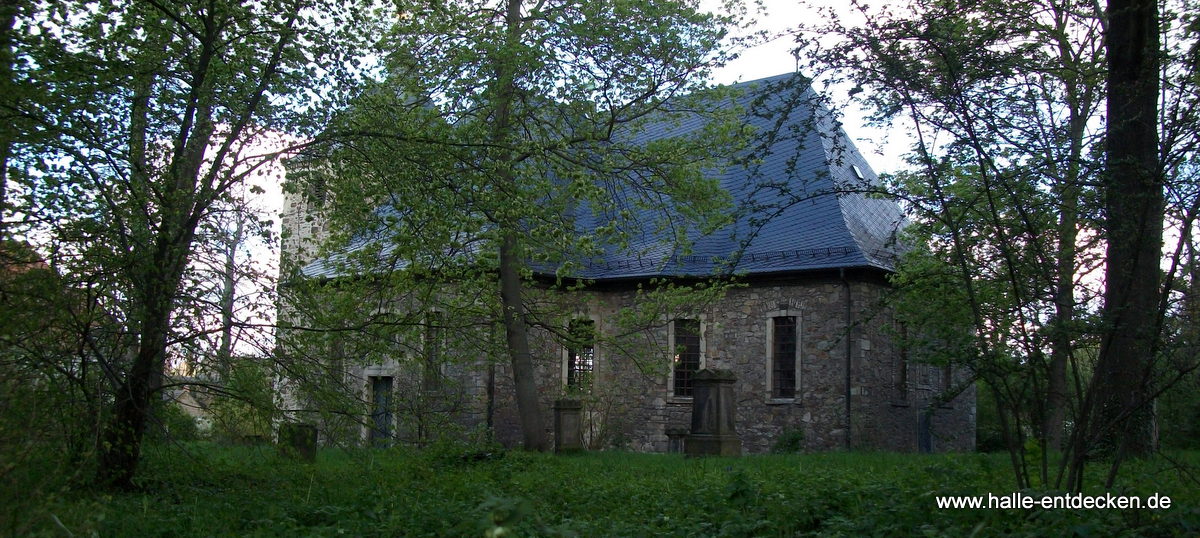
(858, 172)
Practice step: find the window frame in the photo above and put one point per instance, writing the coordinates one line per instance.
(567, 355)
(702, 359)
(769, 363)
(927, 376)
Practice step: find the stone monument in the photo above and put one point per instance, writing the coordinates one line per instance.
(568, 426)
(713, 431)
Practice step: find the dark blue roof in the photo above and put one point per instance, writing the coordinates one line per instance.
(798, 202)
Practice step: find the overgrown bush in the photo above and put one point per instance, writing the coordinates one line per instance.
(173, 424)
(989, 436)
(791, 441)
(245, 413)
(1179, 414)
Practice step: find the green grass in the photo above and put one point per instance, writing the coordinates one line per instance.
(248, 491)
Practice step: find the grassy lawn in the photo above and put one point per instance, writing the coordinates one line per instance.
(209, 490)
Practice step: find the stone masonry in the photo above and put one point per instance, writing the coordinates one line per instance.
(630, 404)
(887, 392)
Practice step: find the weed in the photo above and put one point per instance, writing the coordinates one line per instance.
(216, 490)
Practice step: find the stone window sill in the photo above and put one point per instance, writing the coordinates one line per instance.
(900, 404)
(782, 401)
(680, 400)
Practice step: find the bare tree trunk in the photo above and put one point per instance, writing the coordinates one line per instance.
(1123, 420)
(122, 438)
(228, 293)
(490, 418)
(515, 330)
(1060, 344)
(533, 428)
(1064, 296)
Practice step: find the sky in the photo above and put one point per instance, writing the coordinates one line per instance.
(883, 148)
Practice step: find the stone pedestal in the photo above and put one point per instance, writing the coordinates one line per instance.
(298, 441)
(568, 426)
(675, 439)
(713, 431)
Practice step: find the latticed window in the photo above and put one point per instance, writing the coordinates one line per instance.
(927, 376)
(381, 410)
(581, 354)
(687, 354)
(783, 357)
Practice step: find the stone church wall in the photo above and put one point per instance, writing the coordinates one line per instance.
(632, 407)
(630, 404)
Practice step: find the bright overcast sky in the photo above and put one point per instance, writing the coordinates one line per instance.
(882, 148)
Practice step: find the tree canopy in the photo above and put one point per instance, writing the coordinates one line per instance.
(1012, 190)
(497, 122)
(130, 127)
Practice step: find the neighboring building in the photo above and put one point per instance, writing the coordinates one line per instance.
(809, 335)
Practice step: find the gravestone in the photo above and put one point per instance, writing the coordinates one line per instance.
(568, 426)
(713, 431)
(298, 441)
(675, 439)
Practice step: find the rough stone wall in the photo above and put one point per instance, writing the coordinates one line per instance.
(423, 414)
(303, 226)
(632, 406)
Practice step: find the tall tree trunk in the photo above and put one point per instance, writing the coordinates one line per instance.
(516, 332)
(228, 293)
(8, 18)
(122, 438)
(1064, 296)
(533, 428)
(1061, 341)
(1124, 420)
(121, 441)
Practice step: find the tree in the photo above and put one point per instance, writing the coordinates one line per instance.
(1000, 95)
(1133, 224)
(496, 123)
(1003, 98)
(158, 112)
(10, 12)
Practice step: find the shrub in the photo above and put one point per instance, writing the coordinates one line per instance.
(791, 441)
(174, 424)
(245, 414)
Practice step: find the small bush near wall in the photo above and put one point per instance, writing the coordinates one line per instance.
(173, 424)
(791, 441)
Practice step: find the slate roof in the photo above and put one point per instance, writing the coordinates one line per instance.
(799, 204)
